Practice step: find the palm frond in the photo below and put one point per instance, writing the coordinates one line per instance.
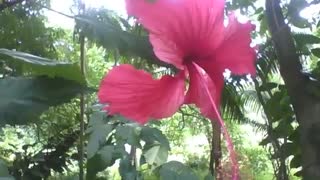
(267, 63)
(232, 105)
(250, 100)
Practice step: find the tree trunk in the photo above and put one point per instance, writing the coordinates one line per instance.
(306, 106)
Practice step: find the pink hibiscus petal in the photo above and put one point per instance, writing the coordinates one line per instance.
(180, 28)
(196, 93)
(235, 52)
(203, 92)
(137, 96)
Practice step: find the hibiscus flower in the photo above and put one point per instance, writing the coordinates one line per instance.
(191, 35)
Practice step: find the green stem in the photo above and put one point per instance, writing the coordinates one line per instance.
(82, 108)
(82, 96)
(215, 156)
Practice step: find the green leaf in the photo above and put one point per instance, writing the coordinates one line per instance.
(154, 135)
(106, 154)
(273, 106)
(289, 149)
(155, 154)
(7, 178)
(175, 170)
(296, 161)
(100, 161)
(157, 146)
(265, 141)
(279, 106)
(209, 177)
(129, 133)
(98, 132)
(304, 39)
(284, 129)
(316, 52)
(39, 66)
(3, 169)
(263, 24)
(299, 174)
(97, 119)
(294, 8)
(126, 170)
(4, 173)
(295, 136)
(23, 99)
(268, 86)
(300, 22)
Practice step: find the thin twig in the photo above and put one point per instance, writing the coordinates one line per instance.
(82, 106)
(58, 12)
